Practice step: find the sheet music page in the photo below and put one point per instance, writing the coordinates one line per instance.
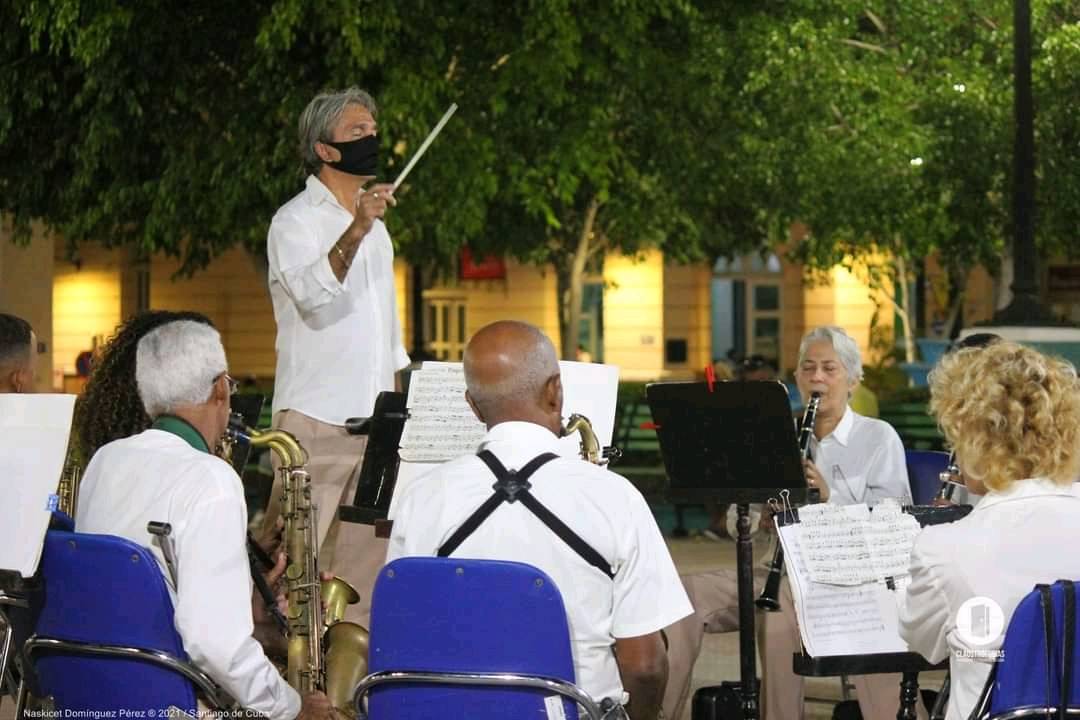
(441, 425)
(34, 430)
(850, 545)
(834, 542)
(589, 389)
(891, 535)
(836, 619)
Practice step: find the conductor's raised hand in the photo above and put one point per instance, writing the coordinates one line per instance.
(371, 203)
(814, 479)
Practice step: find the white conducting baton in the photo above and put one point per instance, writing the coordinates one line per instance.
(423, 148)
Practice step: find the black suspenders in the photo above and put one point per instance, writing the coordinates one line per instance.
(511, 486)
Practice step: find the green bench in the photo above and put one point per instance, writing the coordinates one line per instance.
(917, 429)
(640, 462)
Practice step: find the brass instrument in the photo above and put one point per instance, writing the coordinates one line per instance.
(325, 652)
(590, 444)
(770, 594)
(67, 490)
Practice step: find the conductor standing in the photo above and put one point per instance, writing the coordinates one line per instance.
(338, 334)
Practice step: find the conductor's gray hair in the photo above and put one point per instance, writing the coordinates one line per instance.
(321, 115)
(177, 364)
(538, 362)
(844, 345)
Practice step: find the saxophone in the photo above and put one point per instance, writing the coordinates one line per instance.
(590, 444)
(325, 652)
(67, 490)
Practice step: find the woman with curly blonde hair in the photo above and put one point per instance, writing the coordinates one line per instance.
(1012, 416)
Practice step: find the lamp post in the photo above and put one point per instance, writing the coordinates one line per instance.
(1025, 308)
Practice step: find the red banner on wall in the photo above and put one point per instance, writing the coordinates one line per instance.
(490, 267)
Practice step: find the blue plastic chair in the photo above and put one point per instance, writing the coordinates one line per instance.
(105, 637)
(1027, 681)
(468, 639)
(924, 468)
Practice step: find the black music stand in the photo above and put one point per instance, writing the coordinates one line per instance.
(730, 442)
(378, 471)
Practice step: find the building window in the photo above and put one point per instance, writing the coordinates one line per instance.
(444, 324)
(746, 307)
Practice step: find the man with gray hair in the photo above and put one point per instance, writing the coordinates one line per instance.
(338, 334)
(605, 552)
(16, 355)
(170, 474)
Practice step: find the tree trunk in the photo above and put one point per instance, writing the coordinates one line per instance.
(571, 284)
(904, 309)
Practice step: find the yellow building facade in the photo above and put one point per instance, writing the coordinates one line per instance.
(653, 319)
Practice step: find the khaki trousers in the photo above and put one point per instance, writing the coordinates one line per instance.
(349, 550)
(715, 598)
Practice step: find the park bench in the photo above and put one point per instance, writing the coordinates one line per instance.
(917, 428)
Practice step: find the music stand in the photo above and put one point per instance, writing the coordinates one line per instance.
(730, 442)
(378, 471)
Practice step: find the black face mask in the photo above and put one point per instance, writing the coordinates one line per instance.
(358, 157)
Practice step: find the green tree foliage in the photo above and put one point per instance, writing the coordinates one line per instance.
(170, 126)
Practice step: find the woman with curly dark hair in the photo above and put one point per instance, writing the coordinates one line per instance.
(109, 407)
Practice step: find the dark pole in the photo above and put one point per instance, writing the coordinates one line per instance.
(1025, 308)
(416, 303)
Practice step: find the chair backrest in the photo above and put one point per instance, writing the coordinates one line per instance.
(106, 590)
(446, 615)
(1022, 682)
(924, 468)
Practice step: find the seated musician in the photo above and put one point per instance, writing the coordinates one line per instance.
(168, 473)
(617, 599)
(1012, 416)
(855, 459)
(16, 355)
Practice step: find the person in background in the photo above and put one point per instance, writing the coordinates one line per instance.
(17, 341)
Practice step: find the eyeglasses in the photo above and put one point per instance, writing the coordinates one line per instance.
(233, 384)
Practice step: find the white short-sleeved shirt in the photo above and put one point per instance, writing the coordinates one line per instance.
(863, 461)
(600, 506)
(1010, 541)
(157, 475)
(338, 343)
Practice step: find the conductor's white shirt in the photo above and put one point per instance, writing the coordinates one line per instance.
(157, 475)
(600, 506)
(338, 343)
(1010, 541)
(863, 461)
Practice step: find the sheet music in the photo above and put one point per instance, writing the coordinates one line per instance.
(441, 425)
(839, 619)
(34, 431)
(849, 545)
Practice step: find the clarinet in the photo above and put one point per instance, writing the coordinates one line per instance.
(950, 479)
(770, 596)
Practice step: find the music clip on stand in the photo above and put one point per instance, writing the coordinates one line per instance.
(730, 442)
